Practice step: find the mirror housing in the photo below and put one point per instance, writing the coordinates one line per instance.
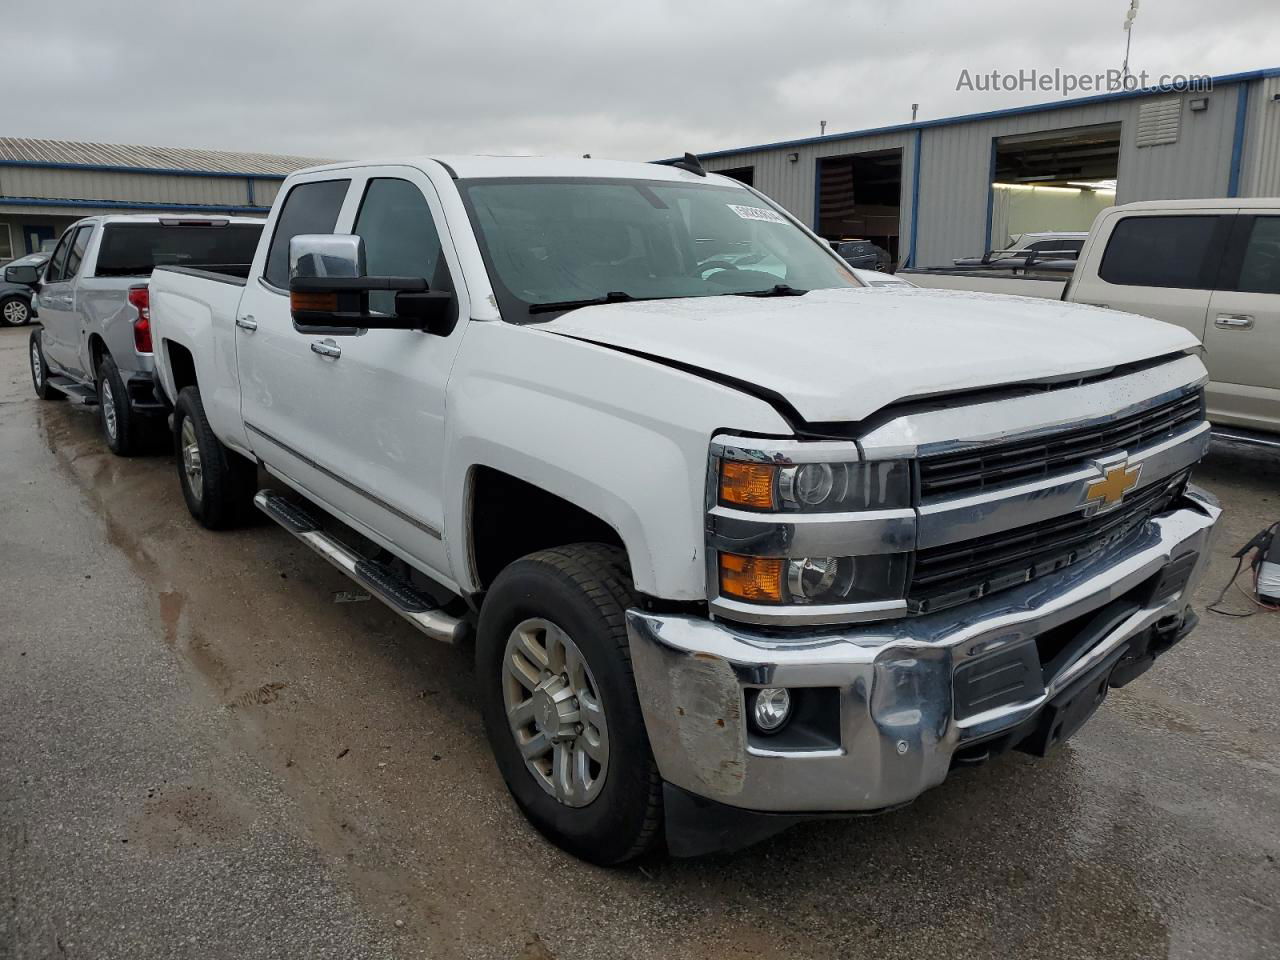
(25, 275)
(329, 290)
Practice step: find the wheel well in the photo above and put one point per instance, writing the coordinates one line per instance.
(97, 350)
(511, 518)
(182, 366)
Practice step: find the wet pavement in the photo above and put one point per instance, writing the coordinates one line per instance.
(203, 755)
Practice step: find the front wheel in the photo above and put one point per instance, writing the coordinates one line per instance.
(560, 704)
(217, 483)
(15, 311)
(40, 369)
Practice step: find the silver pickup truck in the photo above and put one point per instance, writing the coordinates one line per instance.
(92, 301)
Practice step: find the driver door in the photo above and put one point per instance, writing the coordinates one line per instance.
(381, 411)
(56, 301)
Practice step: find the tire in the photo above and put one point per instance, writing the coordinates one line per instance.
(123, 430)
(219, 484)
(14, 312)
(40, 370)
(582, 590)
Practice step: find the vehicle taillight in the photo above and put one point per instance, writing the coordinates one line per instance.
(140, 298)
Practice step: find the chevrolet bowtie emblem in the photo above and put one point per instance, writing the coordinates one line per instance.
(1106, 493)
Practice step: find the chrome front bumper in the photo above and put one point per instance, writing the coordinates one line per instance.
(897, 730)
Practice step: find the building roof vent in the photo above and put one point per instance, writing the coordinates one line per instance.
(1158, 121)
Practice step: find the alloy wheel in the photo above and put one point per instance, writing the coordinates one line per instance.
(15, 313)
(109, 409)
(555, 712)
(191, 466)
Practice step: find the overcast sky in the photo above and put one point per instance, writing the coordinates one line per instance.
(616, 78)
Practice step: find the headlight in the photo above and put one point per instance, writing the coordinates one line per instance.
(804, 580)
(815, 487)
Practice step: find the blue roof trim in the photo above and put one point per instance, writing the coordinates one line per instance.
(125, 205)
(165, 171)
(1237, 141)
(1225, 80)
(915, 201)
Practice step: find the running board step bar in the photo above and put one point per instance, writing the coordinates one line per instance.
(419, 609)
(1250, 437)
(76, 392)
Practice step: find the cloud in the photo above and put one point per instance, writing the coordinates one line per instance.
(623, 79)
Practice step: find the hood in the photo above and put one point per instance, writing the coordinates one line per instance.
(841, 355)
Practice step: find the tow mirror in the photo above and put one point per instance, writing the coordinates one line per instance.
(27, 276)
(329, 291)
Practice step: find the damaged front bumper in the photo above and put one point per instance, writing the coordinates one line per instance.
(883, 711)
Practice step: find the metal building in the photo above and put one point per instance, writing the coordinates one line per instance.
(934, 190)
(45, 185)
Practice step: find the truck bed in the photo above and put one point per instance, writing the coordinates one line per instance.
(1047, 288)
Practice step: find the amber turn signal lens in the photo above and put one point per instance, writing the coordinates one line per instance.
(320, 302)
(747, 484)
(758, 579)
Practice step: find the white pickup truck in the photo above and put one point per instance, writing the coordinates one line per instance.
(1212, 266)
(739, 540)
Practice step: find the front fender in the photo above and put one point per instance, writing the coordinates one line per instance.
(622, 437)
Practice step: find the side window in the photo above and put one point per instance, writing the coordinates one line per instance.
(1260, 269)
(309, 208)
(400, 238)
(1182, 252)
(59, 259)
(75, 255)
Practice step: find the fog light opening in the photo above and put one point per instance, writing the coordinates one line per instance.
(771, 709)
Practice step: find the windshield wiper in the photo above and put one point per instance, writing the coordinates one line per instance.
(614, 296)
(777, 290)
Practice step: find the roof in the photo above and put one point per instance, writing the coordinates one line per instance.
(1212, 203)
(1220, 81)
(21, 151)
(159, 217)
(480, 167)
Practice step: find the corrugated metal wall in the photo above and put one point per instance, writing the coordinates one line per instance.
(264, 191)
(955, 167)
(1260, 176)
(130, 187)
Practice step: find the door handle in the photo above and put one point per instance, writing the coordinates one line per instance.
(326, 348)
(1233, 321)
(247, 323)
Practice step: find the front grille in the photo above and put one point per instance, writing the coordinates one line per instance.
(972, 471)
(959, 572)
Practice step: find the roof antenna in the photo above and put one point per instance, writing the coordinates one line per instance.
(690, 163)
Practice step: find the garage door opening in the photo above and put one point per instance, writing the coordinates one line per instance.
(860, 198)
(1052, 183)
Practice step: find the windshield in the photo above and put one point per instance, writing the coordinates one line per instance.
(555, 244)
(135, 249)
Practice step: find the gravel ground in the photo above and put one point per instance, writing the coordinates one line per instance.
(203, 755)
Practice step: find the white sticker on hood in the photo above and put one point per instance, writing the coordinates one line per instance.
(757, 213)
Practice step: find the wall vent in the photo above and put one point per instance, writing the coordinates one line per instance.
(1158, 122)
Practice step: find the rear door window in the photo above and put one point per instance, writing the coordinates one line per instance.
(1260, 268)
(1174, 251)
(75, 256)
(135, 249)
(310, 207)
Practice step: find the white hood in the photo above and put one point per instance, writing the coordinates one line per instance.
(841, 355)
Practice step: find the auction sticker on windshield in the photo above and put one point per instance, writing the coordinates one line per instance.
(757, 213)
